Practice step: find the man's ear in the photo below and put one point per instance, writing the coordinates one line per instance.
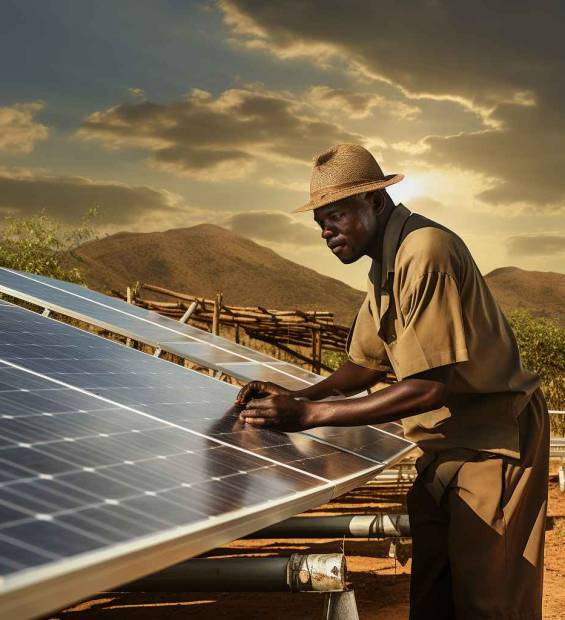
(378, 200)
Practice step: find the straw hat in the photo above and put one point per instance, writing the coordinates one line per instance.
(342, 171)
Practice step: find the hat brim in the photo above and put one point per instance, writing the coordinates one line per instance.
(352, 190)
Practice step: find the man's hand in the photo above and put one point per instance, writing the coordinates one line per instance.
(281, 412)
(258, 389)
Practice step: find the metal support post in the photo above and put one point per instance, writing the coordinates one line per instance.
(184, 318)
(46, 312)
(340, 606)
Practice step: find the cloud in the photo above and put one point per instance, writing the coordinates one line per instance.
(505, 65)
(24, 192)
(435, 61)
(137, 92)
(524, 158)
(426, 206)
(293, 186)
(535, 245)
(18, 130)
(358, 104)
(219, 138)
(273, 227)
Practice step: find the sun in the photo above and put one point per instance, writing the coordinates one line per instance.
(410, 187)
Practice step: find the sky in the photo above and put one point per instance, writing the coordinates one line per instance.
(170, 113)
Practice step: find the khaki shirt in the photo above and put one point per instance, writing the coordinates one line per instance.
(429, 307)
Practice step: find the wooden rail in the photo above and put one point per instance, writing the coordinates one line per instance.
(284, 329)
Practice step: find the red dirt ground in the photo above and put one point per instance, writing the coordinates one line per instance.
(380, 583)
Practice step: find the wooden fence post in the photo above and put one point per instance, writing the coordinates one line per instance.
(216, 315)
(319, 351)
(129, 299)
(316, 349)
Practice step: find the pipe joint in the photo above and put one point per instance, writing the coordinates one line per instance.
(316, 572)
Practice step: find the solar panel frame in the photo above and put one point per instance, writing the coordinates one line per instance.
(22, 596)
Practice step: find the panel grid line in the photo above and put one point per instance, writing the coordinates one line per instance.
(148, 415)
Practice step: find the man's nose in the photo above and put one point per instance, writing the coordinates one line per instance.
(327, 232)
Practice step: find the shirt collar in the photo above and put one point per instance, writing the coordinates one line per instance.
(392, 233)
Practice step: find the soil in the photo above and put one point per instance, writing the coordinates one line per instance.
(381, 583)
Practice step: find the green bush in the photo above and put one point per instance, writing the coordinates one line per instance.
(37, 244)
(333, 359)
(542, 349)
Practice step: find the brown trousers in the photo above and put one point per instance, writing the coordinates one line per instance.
(478, 548)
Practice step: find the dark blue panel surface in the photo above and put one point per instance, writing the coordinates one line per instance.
(100, 444)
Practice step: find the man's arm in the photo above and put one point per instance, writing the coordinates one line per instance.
(425, 391)
(347, 380)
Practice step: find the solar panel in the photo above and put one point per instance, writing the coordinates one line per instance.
(186, 341)
(114, 463)
(153, 328)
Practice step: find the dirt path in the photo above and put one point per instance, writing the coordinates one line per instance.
(380, 583)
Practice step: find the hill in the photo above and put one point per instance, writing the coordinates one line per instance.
(206, 259)
(540, 292)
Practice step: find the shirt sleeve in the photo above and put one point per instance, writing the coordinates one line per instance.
(433, 331)
(364, 347)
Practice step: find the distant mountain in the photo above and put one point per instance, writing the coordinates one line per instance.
(206, 259)
(540, 292)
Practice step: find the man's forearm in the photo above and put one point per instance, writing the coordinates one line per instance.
(401, 400)
(347, 380)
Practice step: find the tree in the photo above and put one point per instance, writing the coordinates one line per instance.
(37, 244)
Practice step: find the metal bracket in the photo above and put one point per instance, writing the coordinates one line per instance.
(400, 551)
(46, 312)
(157, 352)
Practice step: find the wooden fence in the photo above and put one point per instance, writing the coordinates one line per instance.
(284, 329)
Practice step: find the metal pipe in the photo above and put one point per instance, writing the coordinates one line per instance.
(396, 476)
(362, 526)
(299, 573)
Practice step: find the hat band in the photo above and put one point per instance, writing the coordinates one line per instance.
(320, 194)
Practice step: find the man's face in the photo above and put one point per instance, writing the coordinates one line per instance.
(349, 226)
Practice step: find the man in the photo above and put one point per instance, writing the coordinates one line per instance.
(477, 508)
